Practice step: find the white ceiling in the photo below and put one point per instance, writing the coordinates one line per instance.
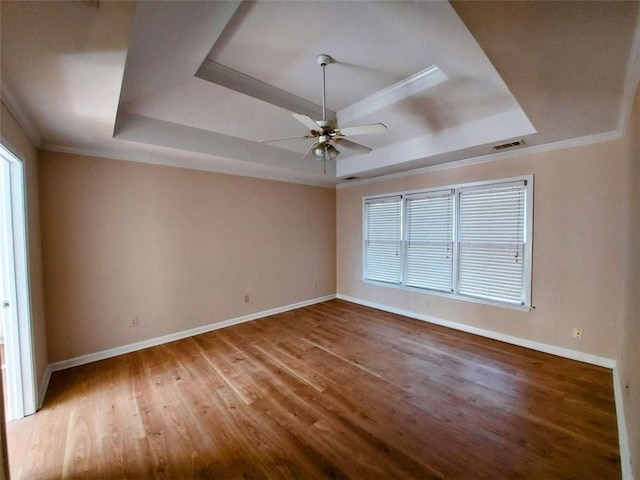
(198, 84)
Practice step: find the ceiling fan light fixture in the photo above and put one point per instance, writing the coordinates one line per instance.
(326, 132)
(318, 152)
(325, 151)
(332, 152)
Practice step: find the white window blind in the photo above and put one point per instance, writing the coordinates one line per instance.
(470, 241)
(383, 239)
(429, 241)
(492, 242)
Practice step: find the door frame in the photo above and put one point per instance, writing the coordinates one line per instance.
(19, 351)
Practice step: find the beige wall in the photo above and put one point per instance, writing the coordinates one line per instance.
(629, 353)
(577, 255)
(20, 145)
(176, 248)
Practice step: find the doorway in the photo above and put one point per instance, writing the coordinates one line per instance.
(19, 381)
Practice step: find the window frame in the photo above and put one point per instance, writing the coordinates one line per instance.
(405, 240)
(528, 180)
(365, 235)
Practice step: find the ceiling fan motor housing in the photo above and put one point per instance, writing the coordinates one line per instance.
(324, 59)
(327, 126)
(326, 132)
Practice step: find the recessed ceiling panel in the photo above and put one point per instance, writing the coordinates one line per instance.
(426, 77)
(374, 45)
(199, 83)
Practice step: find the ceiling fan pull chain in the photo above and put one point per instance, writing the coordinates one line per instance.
(326, 132)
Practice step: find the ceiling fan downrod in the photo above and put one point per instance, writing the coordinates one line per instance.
(321, 151)
(323, 60)
(326, 132)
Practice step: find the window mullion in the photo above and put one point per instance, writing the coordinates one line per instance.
(456, 240)
(403, 242)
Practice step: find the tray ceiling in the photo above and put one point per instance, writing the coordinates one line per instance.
(198, 84)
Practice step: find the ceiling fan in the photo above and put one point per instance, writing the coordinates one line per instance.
(326, 133)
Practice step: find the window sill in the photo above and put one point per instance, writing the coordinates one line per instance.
(493, 303)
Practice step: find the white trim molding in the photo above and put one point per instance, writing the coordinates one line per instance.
(493, 157)
(623, 435)
(21, 117)
(521, 342)
(21, 376)
(418, 82)
(152, 342)
(188, 160)
(631, 79)
(44, 386)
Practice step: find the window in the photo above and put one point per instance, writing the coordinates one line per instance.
(429, 241)
(383, 239)
(491, 242)
(470, 241)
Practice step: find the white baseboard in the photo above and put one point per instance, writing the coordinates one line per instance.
(623, 436)
(44, 386)
(521, 342)
(152, 342)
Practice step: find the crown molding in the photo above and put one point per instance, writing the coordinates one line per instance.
(574, 142)
(416, 83)
(19, 114)
(190, 161)
(631, 81)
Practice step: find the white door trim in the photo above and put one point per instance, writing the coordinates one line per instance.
(18, 329)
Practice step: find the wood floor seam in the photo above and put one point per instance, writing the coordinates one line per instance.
(331, 390)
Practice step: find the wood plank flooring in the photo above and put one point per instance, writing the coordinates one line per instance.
(334, 390)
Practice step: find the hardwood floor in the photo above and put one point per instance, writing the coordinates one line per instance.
(332, 390)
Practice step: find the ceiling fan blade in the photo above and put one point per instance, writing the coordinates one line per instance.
(297, 137)
(307, 121)
(313, 145)
(352, 145)
(362, 129)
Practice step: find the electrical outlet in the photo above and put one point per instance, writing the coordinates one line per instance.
(246, 299)
(577, 333)
(133, 322)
